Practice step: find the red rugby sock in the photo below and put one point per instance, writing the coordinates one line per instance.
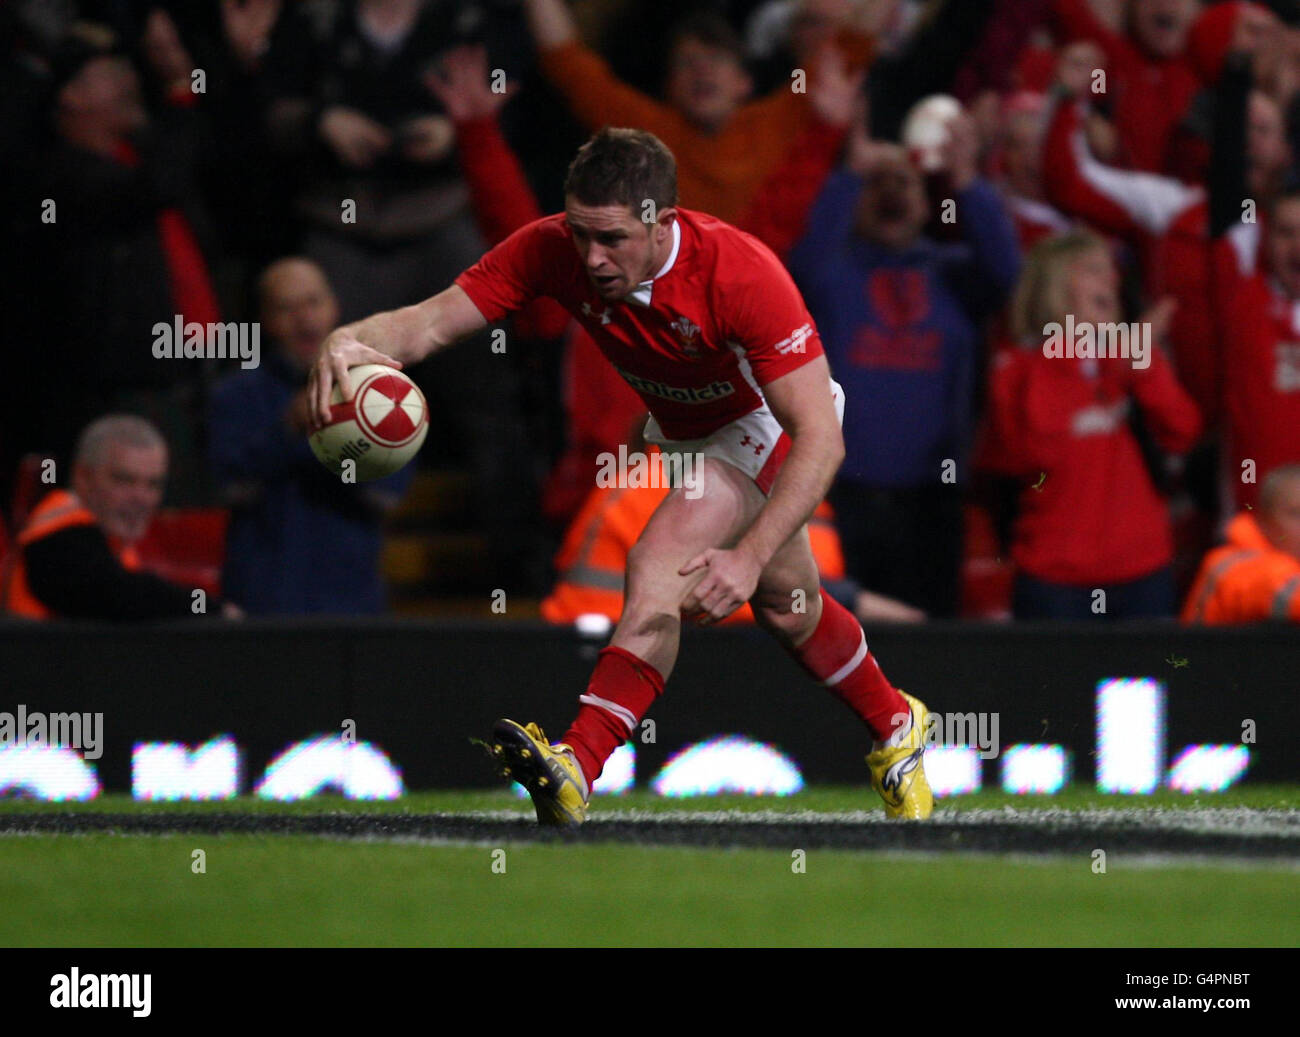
(836, 654)
(621, 689)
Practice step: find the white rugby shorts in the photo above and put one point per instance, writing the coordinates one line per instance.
(755, 442)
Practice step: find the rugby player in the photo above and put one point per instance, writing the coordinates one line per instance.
(704, 322)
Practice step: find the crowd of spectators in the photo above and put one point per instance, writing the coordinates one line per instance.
(1096, 162)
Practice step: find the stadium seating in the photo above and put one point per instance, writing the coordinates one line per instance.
(187, 546)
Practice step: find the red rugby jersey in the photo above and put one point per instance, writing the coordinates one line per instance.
(721, 319)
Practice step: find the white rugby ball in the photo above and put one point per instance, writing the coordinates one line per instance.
(379, 430)
(925, 130)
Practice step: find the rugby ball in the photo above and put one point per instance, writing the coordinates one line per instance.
(376, 432)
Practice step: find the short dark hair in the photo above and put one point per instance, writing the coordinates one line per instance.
(623, 167)
(711, 29)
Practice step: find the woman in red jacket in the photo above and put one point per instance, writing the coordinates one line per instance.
(1092, 536)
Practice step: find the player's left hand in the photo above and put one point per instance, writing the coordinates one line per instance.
(730, 580)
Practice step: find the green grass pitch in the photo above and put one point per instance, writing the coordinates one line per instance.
(274, 890)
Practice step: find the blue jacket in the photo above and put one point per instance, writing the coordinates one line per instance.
(300, 539)
(901, 330)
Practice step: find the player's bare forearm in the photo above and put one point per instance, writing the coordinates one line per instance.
(399, 334)
(800, 486)
(393, 338)
(802, 403)
(410, 334)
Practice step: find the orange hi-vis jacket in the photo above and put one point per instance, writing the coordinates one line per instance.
(1245, 580)
(593, 557)
(59, 510)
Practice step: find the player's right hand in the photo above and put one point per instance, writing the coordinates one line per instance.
(340, 351)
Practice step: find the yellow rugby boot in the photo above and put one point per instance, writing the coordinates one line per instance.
(550, 774)
(898, 772)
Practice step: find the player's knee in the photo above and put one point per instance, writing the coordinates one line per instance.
(640, 563)
(790, 618)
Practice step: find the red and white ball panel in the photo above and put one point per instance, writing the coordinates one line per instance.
(381, 428)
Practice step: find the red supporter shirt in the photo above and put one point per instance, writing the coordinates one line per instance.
(1089, 514)
(1151, 94)
(1260, 329)
(721, 319)
(1169, 224)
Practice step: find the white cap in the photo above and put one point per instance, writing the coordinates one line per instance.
(925, 130)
